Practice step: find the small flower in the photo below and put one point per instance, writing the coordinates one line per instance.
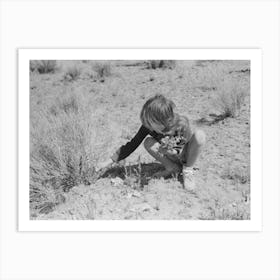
(172, 144)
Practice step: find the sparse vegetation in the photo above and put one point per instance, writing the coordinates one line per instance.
(102, 69)
(62, 154)
(43, 66)
(72, 73)
(154, 64)
(73, 125)
(232, 211)
(230, 98)
(237, 175)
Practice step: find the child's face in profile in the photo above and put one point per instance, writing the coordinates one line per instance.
(166, 131)
(162, 130)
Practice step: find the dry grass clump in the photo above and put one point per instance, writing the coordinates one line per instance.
(233, 211)
(66, 105)
(237, 174)
(154, 64)
(102, 69)
(43, 66)
(61, 150)
(72, 73)
(230, 97)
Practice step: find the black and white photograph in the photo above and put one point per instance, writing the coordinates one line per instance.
(140, 139)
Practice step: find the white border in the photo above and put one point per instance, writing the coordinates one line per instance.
(254, 55)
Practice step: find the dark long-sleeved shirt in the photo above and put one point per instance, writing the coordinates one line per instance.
(181, 126)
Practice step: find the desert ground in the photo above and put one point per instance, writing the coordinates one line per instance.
(82, 111)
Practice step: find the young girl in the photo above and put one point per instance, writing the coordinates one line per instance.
(170, 140)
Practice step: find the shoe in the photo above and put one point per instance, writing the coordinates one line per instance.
(188, 178)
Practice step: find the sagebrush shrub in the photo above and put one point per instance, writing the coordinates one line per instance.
(43, 66)
(230, 98)
(72, 73)
(102, 69)
(61, 150)
(154, 64)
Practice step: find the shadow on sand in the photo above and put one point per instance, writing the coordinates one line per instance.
(144, 170)
(141, 172)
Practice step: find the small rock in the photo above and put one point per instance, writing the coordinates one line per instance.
(116, 181)
(142, 207)
(136, 194)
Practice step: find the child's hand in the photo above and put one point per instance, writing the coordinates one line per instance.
(163, 150)
(167, 151)
(104, 164)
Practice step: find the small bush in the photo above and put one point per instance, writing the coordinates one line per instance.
(236, 211)
(236, 174)
(154, 64)
(61, 150)
(72, 73)
(65, 105)
(102, 69)
(230, 98)
(43, 66)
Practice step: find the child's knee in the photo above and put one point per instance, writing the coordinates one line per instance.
(176, 168)
(200, 137)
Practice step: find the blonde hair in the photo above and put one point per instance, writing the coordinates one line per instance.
(157, 113)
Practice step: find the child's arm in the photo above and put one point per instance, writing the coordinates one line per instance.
(187, 134)
(185, 130)
(125, 150)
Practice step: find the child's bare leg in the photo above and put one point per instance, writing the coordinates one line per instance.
(189, 156)
(151, 145)
(193, 148)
